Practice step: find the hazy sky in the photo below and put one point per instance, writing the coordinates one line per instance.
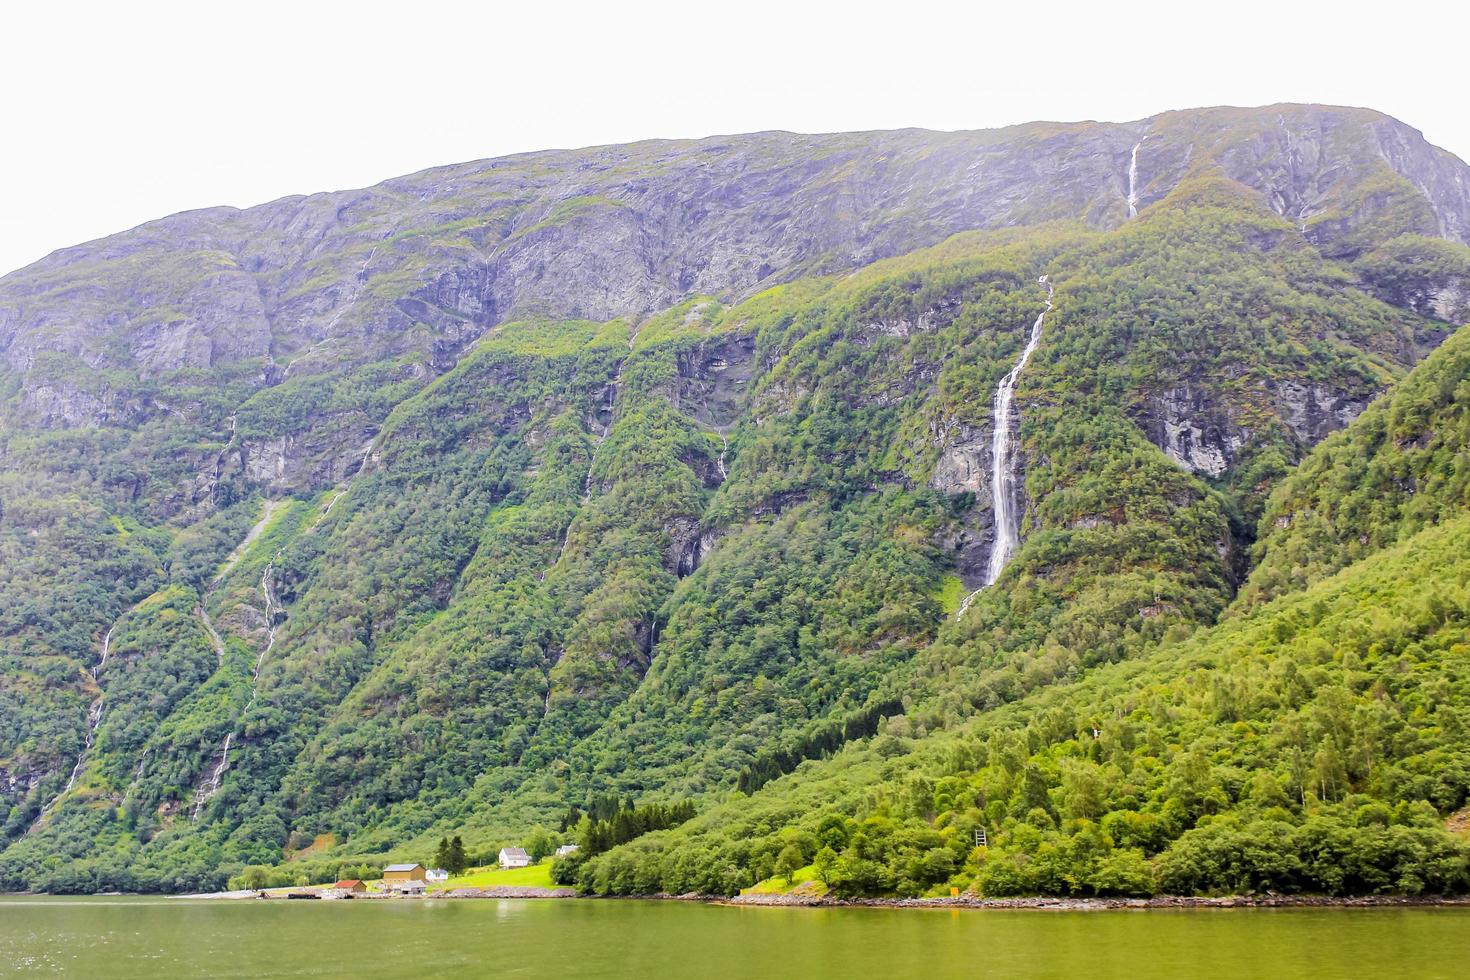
(117, 113)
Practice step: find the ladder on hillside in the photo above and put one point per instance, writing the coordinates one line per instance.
(980, 838)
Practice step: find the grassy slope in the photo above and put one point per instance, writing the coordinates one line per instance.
(536, 876)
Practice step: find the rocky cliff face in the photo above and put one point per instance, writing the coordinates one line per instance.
(963, 470)
(1335, 173)
(1194, 430)
(619, 231)
(419, 267)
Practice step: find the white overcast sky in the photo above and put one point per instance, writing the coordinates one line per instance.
(115, 113)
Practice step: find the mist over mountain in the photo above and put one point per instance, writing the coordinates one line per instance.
(675, 472)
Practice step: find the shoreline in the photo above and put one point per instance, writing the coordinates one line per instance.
(1056, 904)
(316, 893)
(1030, 903)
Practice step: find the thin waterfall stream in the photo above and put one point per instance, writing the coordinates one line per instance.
(94, 721)
(267, 591)
(1133, 181)
(1003, 476)
(94, 713)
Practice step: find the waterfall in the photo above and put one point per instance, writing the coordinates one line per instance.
(720, 463)
(94, 720)
(357, 282)
(1133, 181)
(94, 713)
(268, 594)
(219, 459)
(1002, 463)
(217, 775)
(346, 484)
(106, 649)
(272, 611)
(566, 537)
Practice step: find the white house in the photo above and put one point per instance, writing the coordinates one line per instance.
(514, 857)
(435, 875)
(566, 849)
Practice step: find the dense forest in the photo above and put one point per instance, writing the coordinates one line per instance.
(1310, 743)
(419, 538)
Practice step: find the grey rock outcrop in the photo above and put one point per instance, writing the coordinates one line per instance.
(1313, 412)
(963, 468)
(714, 379)
(1194, 431)
(1197, 427)
(625, 230)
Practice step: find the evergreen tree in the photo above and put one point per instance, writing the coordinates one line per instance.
(455, 861)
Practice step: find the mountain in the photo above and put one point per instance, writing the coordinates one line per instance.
(666, 471)
(1310, 743)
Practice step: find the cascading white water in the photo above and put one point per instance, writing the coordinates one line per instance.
(587, 482)
(612, 397)
(106, 651)
(215, 777)
(94, 713)
(1133, 181)
(1002, 463)
(233, 559)
(720, 463)
(357, 281)
(219, 459)
(1002, 467)
(94, 720)
(272, 610)
(346, 485)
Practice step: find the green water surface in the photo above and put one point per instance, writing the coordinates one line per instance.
(160, 937)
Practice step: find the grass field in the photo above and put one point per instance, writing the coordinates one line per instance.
(536, 876)
(804, 881)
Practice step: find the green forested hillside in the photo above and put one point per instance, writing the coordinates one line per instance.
(1402, 467)
(488, 572)
(1310, 743)
(1312, 746)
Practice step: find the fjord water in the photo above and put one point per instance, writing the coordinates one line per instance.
(130, 938)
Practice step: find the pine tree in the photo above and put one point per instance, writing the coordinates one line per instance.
(455, 861)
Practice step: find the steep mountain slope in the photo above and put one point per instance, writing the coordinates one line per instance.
(338, 520)
(1315, 742)
(1402, 468)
